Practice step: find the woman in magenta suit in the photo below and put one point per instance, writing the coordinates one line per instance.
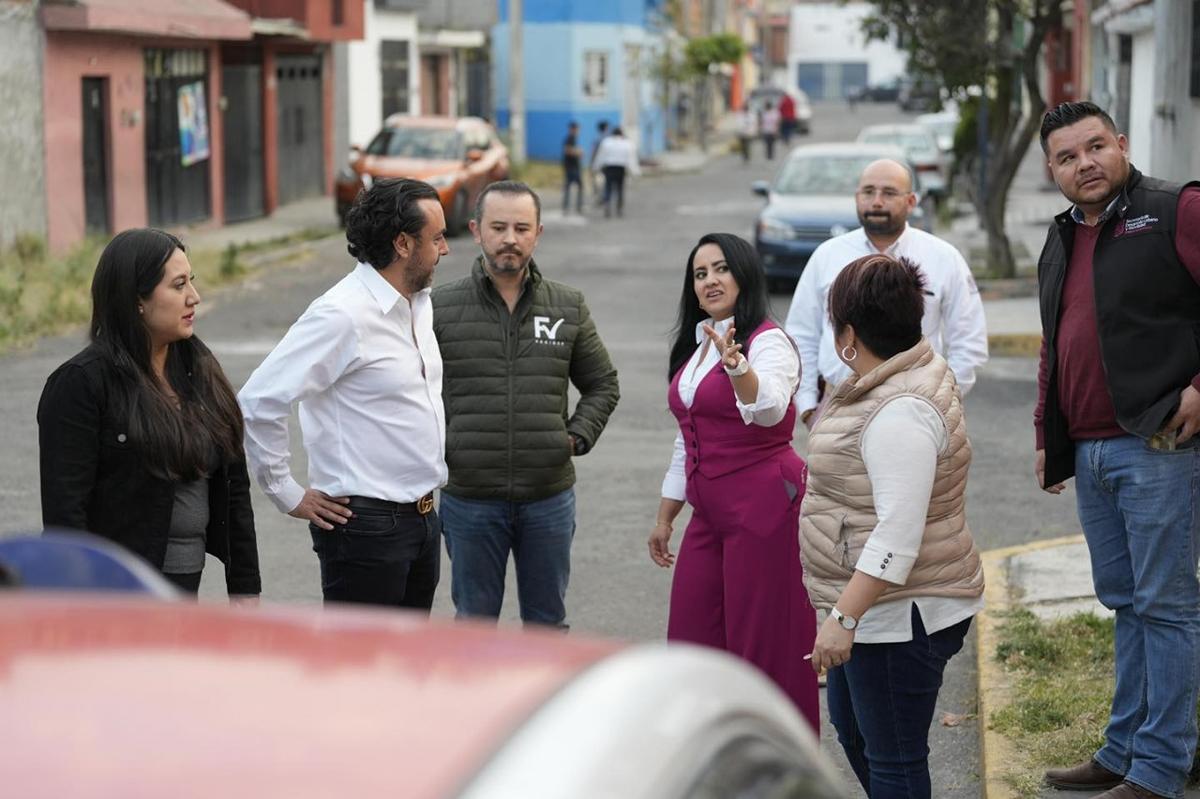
(738, 582)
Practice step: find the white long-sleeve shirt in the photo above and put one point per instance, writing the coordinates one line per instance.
(778, 369)
(953, 321)
(900, 447)
(617, 151)
(364, 365)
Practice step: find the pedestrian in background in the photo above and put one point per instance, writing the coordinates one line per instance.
(884, 538)
(747, 131)
(769, 124)
(953, 321)
(572, 155)
(738, 583)
(787, 118)
(593, 170)
(1118, 409)
(140, 436)
(513, 344)
(363, 364)
(616, 158)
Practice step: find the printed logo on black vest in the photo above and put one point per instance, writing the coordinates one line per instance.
(1137, 224)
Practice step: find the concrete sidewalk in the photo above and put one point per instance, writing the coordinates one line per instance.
(1052, 579)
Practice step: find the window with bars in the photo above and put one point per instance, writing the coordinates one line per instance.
(394, 72)
(595, 74)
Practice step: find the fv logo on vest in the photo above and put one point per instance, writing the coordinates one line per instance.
(542, 329)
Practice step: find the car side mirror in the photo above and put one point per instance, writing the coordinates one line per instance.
(474, 154)
(761, 187)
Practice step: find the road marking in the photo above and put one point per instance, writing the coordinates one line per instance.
(725, 207)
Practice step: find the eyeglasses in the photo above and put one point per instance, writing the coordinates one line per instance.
(887, 194)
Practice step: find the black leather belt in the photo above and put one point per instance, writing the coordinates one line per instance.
(422, 506)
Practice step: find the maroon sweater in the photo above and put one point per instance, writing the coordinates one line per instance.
(1082, 389)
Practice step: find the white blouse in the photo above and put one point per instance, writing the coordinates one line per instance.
(773, 358)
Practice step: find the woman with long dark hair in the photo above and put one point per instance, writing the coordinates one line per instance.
(140, 434)
(738, 584)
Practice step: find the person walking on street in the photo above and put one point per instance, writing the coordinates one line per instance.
(953, 321)
(617, 158)
(884, 537)
(770, 128)
(572, 155)
(738, 584)
(363, 364)
(747, 131)
(513, 343)
(1118, 409)
(596, 174)
(140, 436)
(787, 118)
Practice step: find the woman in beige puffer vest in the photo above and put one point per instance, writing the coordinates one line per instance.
(883, 533)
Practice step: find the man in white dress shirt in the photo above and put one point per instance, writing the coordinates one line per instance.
(953, 321)
(364, 365)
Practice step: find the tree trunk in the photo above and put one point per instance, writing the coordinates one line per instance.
(1000, 262)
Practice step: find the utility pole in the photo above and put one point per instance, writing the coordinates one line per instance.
(1171, 125)
(516, 81)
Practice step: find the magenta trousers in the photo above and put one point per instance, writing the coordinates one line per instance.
(738, 582)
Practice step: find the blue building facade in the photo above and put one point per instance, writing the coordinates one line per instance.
(586, 61)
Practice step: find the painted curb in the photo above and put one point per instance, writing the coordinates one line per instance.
(994, 688)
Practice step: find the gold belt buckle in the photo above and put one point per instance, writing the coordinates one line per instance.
(425, 504)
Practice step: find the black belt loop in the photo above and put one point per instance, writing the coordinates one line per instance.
(422, 506)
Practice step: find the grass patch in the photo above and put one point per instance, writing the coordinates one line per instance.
(541, 175)
(42, 294)
(1014, 345)
(1062, 673)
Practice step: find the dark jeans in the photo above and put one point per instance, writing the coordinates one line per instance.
(881, 702)
(382, 556)
(572, 177)
(614, 186)
(480, 533)
(769, 143)
(187, 583)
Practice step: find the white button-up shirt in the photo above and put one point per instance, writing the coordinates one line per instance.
(953, 321)
(774, 361)
(364, 365)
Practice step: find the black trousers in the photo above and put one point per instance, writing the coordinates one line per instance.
(387, 554)
(614, 186)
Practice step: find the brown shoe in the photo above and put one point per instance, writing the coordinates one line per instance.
(1127, 790)
(1087, 776)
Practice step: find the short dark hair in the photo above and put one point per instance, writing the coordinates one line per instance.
(507, 187)
(381, 213)
(883, 298)
(750, 310)
(602, 125)
(1064, 114)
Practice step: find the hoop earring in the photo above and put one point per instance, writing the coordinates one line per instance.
(853, 353)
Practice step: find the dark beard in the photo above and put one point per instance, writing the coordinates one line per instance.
(880, 226)
(505, 269)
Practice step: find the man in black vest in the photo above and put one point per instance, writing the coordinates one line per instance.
(1118, 409)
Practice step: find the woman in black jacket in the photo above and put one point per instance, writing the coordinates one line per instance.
(140, 434)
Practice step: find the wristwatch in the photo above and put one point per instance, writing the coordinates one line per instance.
(847, 622)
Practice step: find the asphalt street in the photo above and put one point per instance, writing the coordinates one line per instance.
(632, 271)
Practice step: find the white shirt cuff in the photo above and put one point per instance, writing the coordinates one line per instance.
(675, 487)
(288, 496)
(877, 561)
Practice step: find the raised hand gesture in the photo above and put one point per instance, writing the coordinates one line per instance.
(729, 350)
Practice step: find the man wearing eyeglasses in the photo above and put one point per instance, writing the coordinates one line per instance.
(953, 321)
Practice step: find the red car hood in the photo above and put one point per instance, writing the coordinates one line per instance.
(420, 168)
(118, 697)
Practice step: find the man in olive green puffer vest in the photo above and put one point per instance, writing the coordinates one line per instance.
(512, 344)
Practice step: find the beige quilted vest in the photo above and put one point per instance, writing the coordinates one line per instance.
(838, 513)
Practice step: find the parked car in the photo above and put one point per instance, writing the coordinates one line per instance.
(760, 96)
(812, 199)
(887, 91)
(943, 125)
(105, 695)
(919, 94)
(458, 156)
(921, 149)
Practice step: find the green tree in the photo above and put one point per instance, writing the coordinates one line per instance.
(986, 53)
(701, 56)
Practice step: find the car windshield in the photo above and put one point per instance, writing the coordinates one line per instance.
(431, 143)
(911, 143)
(821, 174)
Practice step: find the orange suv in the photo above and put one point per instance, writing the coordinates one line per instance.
(457, 156)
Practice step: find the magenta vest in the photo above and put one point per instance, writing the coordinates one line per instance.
(715, 439)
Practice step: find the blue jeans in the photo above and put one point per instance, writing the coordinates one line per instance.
(1138, 509)
(479, 535)
(881, 702)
